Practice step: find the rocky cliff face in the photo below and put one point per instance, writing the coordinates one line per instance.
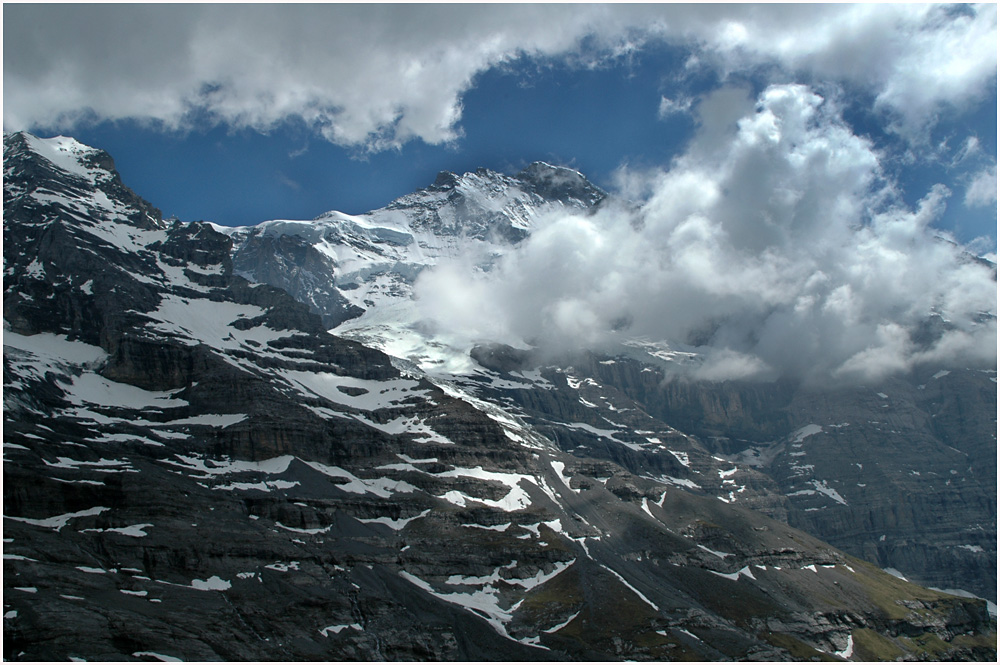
(874, 469)
(195, 469)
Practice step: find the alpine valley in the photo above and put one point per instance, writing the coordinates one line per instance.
(248, 444)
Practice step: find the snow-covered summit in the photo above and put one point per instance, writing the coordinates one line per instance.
(484, 202)
(343, 265)
(559, 183)
(65, 153)
(62, 171)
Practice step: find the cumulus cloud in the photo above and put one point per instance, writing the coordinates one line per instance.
(669, 107)
(982, 190)
(917, 60)
(774, 246)
(373, 75)
(378, 76)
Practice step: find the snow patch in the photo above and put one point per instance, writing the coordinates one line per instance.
(263, 486)
(311, 532)
(682, 482)
(558, 627)
(645, 507)
(848, 651)
(381, 487)
(632, 588)
(721, 555)
(220, 420)
(559, 467)
(823, 488)
(516, 499)
(213, 583)
(745, 570)
(283, 567)
(159, 656)
(496, 527)
(133, 531)
(483, 603)
(64, 153)
(325, 632)
(395, 525)
(800, 434)
(59, 521)
(540, 577)
(368, 395)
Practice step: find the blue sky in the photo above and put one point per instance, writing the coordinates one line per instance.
(591, 119)
(367, 104)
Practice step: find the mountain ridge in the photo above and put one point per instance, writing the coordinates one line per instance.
(184, 448)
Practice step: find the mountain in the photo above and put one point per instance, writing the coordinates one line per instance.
(343, 265)
(901, 473)
(195, 468)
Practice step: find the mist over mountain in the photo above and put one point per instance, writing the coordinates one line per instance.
(453, 428)
(776, 246)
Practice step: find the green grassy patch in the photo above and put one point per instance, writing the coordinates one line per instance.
(739, 601)
(885, 590)
(869, 645)
(611, 616)
(798, 649)
(665, 648)
(985, 640)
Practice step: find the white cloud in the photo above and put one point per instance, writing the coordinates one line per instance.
(775, 244)
(380, 75)
(982, 190)
(918, 60)
(373, 75)
(669, 107)
(729, 365)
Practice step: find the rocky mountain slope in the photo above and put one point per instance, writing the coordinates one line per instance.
(194, 468)
(901, 473)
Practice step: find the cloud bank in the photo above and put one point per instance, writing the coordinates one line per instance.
(775, 245)
(377, 76)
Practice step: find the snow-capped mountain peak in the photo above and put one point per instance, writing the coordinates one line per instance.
(40, 171)
(65, 153)
(559, 183)
(343, 265)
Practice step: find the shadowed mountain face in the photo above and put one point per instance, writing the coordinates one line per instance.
(194, 468)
